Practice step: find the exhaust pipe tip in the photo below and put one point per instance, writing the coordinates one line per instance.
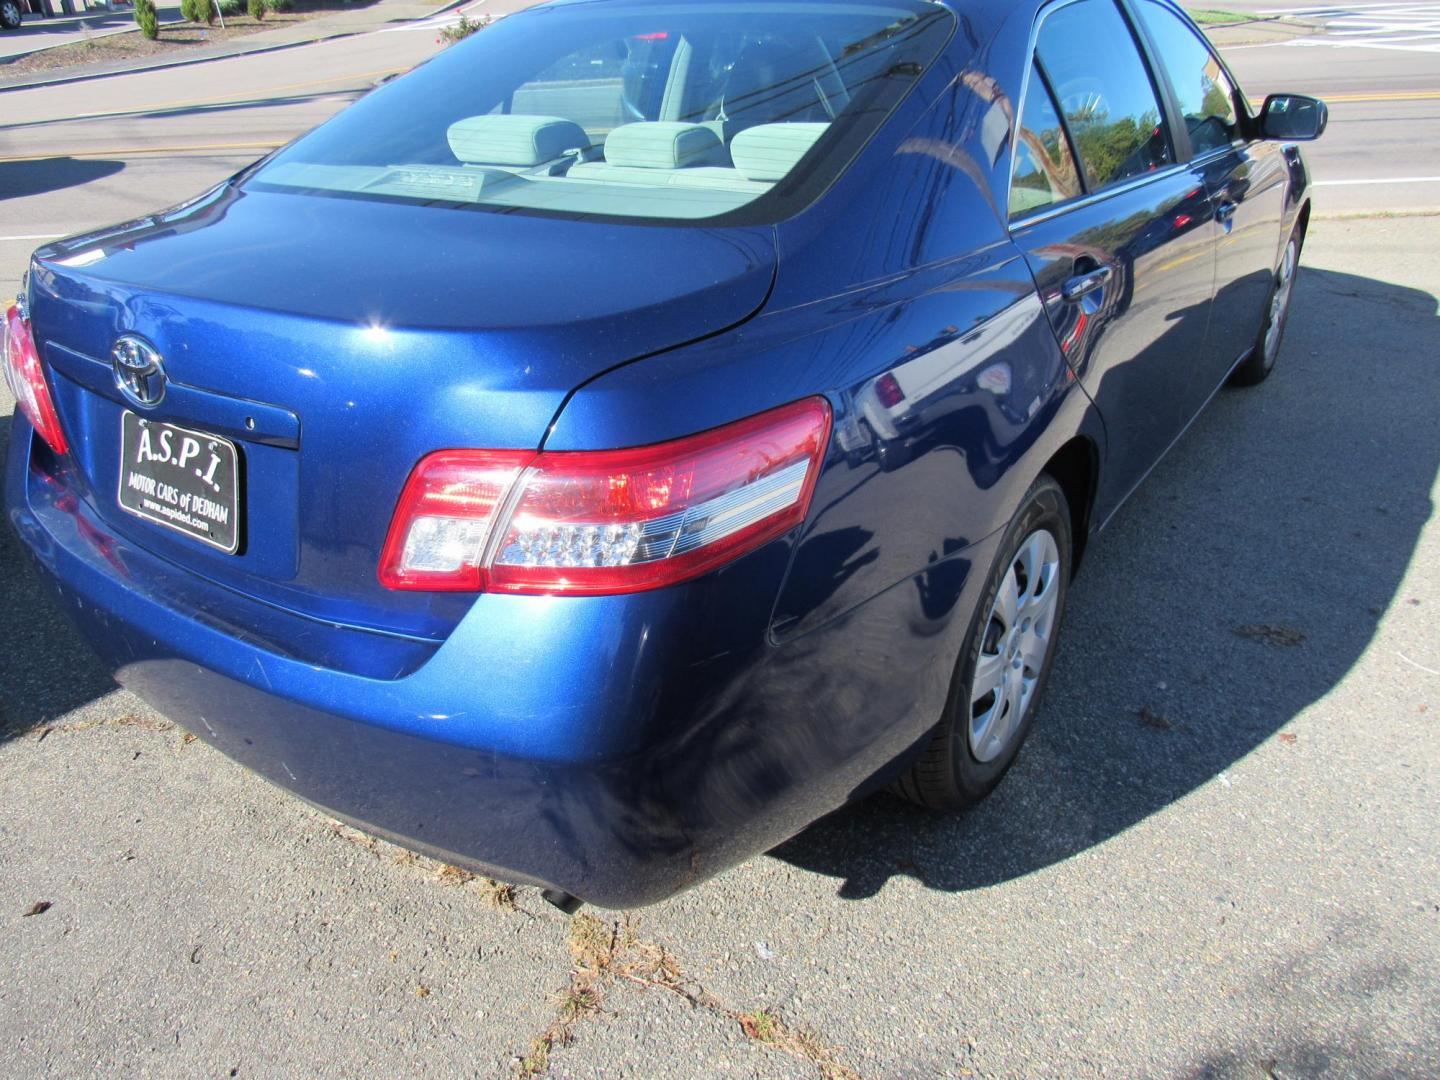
(563, 900)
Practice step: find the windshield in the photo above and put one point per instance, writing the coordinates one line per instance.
(654, 111)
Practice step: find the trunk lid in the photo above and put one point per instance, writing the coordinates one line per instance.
(338, 341)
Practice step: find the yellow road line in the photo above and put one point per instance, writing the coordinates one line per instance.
(128, 151)
(1397, 95)
(1379, 95)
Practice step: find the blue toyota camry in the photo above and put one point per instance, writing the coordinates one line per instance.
(648, 425)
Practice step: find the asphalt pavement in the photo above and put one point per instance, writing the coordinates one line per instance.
(1216, 856)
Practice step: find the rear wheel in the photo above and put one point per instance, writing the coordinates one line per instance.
(9, 14)
(1006, 659)
(1261, 361)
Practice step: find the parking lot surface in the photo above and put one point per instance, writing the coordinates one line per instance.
(1215, 856)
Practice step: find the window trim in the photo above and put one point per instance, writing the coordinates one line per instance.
(1083, 173)
(1037, 67)
(1045, 213)
(1163, 98)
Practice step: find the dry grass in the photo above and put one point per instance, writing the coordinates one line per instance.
(1219, 16)
(158, 724)
(606, 953)
(499, 895)
(453, 875)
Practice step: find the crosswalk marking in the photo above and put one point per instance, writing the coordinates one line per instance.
(1399, 27)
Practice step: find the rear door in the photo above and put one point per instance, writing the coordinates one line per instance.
(1246, 180)
(1116, 231)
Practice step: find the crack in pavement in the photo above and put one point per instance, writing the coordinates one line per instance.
(607, 954)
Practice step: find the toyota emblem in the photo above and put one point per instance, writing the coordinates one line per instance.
(138, 373)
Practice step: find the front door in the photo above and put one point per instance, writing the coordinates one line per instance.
(1117, 233)
(1246, 181)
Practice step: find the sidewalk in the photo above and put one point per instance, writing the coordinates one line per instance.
(1262, 31)
(320, 28)
(36, 33)
(384, 12)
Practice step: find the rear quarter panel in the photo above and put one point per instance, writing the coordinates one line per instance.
(903, 267)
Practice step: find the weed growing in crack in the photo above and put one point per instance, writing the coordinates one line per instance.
(605, 953)
(453, 875)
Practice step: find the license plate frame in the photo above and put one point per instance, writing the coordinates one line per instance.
(185, 480)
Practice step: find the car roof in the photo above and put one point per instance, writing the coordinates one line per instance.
(960, 7)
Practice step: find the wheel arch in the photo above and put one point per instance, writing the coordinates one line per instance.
(1076, 468)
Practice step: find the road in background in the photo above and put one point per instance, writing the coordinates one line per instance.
(1378, 66)
(97, 152)
(1215, 857)
(74, 157)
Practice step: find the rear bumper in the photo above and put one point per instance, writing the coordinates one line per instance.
(618, 748)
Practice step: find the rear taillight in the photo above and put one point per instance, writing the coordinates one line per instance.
(887, 389)
(444, 519)
(27, 380)
(610, 521)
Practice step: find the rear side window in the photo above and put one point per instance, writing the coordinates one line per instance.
(661, 111)
(1045, 171)
(1206, 97)
(1104, 91)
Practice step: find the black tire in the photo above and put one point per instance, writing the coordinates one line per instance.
(1256, 367)
(948, 774)
(9, 14)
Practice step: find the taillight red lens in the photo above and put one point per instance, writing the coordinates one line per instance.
(26, 379)
(610, 521)
(887, 389)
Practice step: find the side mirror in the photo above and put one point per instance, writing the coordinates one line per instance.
(1293, 118)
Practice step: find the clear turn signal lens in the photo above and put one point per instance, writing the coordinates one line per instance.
(610, 521)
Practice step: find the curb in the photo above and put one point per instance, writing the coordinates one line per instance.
(114, 31)
(1262, 31)
(62, 80)
(1376, 215)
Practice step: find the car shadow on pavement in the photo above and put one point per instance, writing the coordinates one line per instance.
(21, 178)
(1239, 586)
(45, 669)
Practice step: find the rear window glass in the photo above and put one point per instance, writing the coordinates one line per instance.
(656, 111)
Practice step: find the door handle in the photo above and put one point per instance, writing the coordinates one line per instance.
(1084, 284)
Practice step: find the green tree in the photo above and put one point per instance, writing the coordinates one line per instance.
(147, 19)
(257, 10)
(1111, 149)
(198, 11)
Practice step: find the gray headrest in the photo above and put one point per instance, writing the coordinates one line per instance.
(514, 140)
(769, 151)
(663, 144)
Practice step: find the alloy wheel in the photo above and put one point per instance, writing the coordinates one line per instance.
(1018, 637)
(1280, 303)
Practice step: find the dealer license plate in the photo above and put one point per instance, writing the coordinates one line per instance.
(186, 480)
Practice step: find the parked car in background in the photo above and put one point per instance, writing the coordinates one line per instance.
(647, 426)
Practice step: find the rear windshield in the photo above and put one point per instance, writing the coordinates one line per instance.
(677, 112)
